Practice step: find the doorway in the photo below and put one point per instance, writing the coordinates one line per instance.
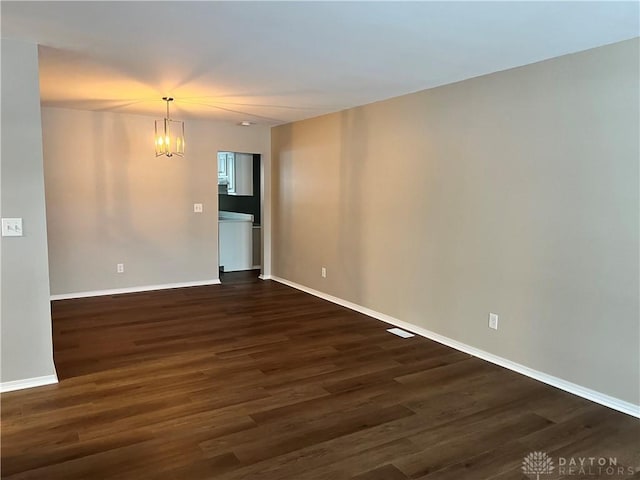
(239, 216)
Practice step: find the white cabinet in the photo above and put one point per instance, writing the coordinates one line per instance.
(235, 170)
(235, 241)
(225, 169)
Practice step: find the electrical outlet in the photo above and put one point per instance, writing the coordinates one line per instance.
(493, 321)
(197, 207)
(120, 268)
(324, 272)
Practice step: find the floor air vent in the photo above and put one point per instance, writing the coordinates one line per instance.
(401, 333)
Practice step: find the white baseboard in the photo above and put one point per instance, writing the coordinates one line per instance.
(584, 392)
(267, 277)
(27, 383)
(146, 288)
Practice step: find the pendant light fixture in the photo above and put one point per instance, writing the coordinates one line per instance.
(169, 135)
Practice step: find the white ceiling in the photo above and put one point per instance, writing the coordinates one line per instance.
(275, 62)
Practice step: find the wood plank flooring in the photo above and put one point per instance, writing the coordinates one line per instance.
(256, 380)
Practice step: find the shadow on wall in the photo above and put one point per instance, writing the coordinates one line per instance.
(112, 182)
(100, 178)
(114, 223)
(350, 229)
(281, 219)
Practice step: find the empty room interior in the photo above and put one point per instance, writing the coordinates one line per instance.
(320, 240)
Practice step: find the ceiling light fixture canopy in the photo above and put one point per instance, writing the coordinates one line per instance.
(169, 135)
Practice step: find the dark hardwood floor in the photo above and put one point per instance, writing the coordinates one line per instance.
(242, 276)
(255, 380)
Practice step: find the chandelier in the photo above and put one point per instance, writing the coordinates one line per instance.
(169, 135)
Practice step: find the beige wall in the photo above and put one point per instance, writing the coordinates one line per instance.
(25, 326)
(110, 200)
(515, 193)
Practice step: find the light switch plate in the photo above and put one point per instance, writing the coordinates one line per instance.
(197, 207)
(11, 227)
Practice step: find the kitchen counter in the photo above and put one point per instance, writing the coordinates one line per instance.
(234, 217)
